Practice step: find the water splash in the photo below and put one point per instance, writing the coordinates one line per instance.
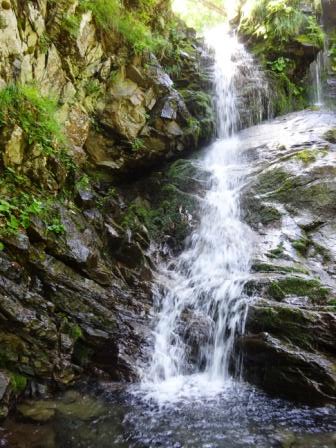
(199, 294)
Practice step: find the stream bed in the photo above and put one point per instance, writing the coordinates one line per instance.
(110, 416)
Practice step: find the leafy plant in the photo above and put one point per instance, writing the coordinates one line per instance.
(279, 65)
(93, 87)
(44, 42)
(83, 183)
(56, 227)
(71, 23)
(16, 213)
(137, 144)
(34, 113)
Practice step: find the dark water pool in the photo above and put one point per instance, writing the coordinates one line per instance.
(240, 416)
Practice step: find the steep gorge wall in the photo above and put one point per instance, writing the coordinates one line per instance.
(83, 108)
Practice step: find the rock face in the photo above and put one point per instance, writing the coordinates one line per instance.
(140, 116)
(289, 346)
(81, 109)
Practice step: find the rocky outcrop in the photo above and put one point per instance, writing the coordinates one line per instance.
(121, 111)
(81, 110)
(289, 346)
(77, 302)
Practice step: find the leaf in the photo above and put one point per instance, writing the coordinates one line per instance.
(13, 223)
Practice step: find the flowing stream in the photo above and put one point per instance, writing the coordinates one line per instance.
(205, 282)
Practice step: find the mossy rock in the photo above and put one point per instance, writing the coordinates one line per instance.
(287, 322)
(299, 287)
(268, 267)
(330, 136)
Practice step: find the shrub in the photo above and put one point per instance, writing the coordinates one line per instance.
(35, 114)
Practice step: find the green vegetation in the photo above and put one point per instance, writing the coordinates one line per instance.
(71, 23)
(24, 196)
(332, 51)
(330, 136)
(56, 227)
(266, 267)
(18, 208)
(298, 286)
(44, 43)
(16, 213)
(133, 26)
(277, 252)
(18, 382)
(137, 144)
(287, 322)
(306, 156)
(76, 332)
(301, 245)
(278, 32)
(279, 21)
(35, 114)
(164, 217)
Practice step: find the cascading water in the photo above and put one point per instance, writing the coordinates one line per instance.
(316, 72)
(205, 282)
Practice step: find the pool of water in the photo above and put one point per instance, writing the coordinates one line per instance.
(111, 416)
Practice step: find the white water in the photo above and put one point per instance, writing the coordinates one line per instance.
(316, 72)
(203, 286)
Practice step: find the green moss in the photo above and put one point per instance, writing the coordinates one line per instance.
(266, 267)
(330, 135)
(287, 323)
(268, 215)
(277, 252)
(271, 180)
(76, 332)
(300, 287)
(301, 245)
(306, 156)
(18, 382)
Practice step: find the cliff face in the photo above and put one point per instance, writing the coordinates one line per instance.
(112, 96)
(84, 105)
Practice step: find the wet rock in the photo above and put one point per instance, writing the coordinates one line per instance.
(196, 330)
(283, 370)
(71, 405)
(4, 394)
(289, 345)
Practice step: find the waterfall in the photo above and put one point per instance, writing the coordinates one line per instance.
(200, 306)
(316, 71)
